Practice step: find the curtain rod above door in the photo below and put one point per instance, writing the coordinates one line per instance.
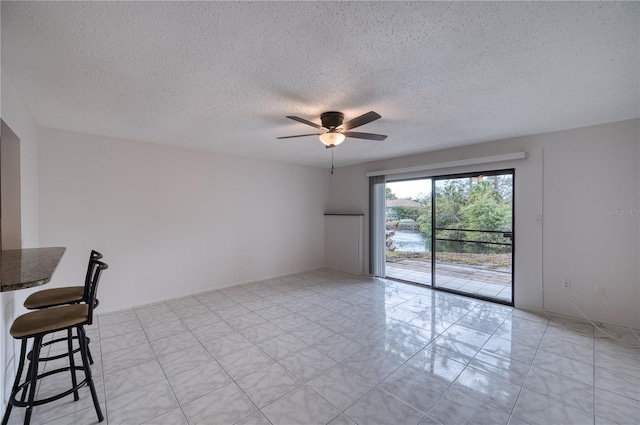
(458, 163)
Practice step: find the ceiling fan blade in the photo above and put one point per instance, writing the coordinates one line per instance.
(299, 135)
(368, 136)
(303, 121)
(361, 120)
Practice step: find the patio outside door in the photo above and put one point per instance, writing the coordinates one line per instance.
(473, 234)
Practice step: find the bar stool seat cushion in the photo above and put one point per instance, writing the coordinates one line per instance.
(54, 296)
(48, 320)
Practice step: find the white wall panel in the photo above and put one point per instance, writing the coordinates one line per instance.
(172, 221)
(344, 243)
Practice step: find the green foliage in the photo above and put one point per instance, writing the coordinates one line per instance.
(406, 212)
(475, 203)
(424, 219)
(480, 261)
(393, 254)
(451, 197)
(486, 209)
(424, 222)
(390, 194)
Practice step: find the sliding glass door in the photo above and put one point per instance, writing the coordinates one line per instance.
(452, 232)
(473, 234)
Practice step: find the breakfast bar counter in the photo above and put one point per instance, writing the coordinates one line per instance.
(26, 268)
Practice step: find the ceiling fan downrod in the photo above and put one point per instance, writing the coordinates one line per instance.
(332, 162)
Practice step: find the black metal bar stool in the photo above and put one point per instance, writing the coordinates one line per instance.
(63, 296)
(38, 324)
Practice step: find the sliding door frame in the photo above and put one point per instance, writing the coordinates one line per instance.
(487, 173)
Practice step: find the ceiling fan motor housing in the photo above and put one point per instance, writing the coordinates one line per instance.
(332, 119)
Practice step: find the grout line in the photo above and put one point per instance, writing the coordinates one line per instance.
(324, 290)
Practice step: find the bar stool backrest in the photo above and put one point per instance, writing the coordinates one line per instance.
(97, 268)
(95, 255)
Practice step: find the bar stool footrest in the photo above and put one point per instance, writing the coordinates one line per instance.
(58, 356)
(17, 403)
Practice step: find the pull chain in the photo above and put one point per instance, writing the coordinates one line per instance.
(331, 161)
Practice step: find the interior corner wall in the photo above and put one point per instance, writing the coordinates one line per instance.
(589, 196)
(11, 233)
(173, 221)
(17, 117)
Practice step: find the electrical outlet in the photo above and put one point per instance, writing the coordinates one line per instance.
(566, 284)
(600, 289)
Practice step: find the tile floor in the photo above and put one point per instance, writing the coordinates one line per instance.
(323, 347)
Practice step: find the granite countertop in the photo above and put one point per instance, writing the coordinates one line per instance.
(26, 268)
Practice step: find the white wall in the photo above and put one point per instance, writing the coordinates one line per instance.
(18, 119)
(173, 221)
(10, 188)
(589, 174)
(591, 220)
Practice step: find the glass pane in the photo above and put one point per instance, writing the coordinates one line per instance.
(408, 230)
(473, 235)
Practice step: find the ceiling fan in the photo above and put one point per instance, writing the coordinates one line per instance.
(334, 131)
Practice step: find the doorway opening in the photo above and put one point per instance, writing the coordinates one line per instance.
(453, 233)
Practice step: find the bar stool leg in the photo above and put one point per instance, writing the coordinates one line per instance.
(26, 387)
(82, 337)
(16, 383)
(33, 378)
(72, 364)
(89, 351)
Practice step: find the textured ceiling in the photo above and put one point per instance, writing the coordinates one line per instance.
(222, 76)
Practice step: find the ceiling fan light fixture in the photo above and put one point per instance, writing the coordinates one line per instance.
(332, 138)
